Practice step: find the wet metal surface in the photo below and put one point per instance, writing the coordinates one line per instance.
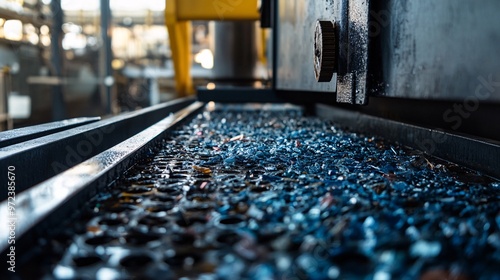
(269, 194)
(42, 158)
(43, 200)
(19, 135)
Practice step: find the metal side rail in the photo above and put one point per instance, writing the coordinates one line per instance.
(39, 159)
(16, 136)
(45, 205)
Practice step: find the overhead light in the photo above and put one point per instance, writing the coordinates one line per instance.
(211, 86)
(13, 5)
(13, 30)
(205, 58)
(74, 41)
(124, 5)
(72, 5)
(70, 27)
(117, 64)
(44, 30)
(33, 38)
(45, 39)
(156, 5)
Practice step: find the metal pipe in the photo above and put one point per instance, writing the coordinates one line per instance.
(58, 105)
(106, 55)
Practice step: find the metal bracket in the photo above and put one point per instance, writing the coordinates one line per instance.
(353, 52)
(341, 48)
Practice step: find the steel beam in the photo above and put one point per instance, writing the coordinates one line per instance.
(56, 199)
(16, 136)
(39, 159)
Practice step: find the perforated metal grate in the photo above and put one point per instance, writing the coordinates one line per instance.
(272, 194)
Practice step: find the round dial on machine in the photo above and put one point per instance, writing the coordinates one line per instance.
(325, 50)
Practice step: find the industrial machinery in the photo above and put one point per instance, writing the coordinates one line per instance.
(372, 153)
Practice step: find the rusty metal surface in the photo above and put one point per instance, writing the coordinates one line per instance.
(295, 50)
(436, 50)
(430, 50)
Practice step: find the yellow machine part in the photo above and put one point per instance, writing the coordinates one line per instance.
(179, 13)
(217, 10)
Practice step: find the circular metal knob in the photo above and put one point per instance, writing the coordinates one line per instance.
(325, 51)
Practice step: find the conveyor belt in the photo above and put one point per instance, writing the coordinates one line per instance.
(267, 193)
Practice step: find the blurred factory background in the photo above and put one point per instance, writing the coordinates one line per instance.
(62, 59)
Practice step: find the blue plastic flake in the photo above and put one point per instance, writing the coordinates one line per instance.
(425, 249)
